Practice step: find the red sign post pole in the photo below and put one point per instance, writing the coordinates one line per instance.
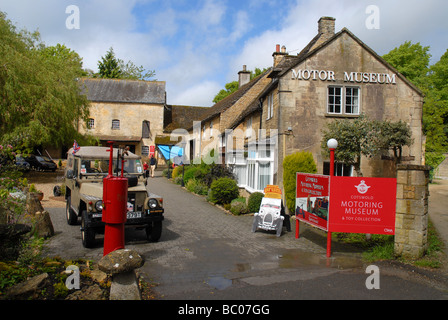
(332, 145)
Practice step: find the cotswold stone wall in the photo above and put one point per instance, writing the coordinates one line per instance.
(411, 222)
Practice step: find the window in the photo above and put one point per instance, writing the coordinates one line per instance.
(91, 123)
(343, 100)
(115, 124)
(340, 169)
(249, 127)
(334, 99)
(270, 107)
(145, 129)
(351, 100)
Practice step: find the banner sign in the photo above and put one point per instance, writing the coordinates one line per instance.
(312, 193)
(362, 205)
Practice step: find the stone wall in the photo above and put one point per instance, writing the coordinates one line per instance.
(411, 222)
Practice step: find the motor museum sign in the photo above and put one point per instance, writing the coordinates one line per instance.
(352, 77)
(362, 205)
(346, 204)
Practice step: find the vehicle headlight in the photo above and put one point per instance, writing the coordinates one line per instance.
(99, 205)
(152, 203)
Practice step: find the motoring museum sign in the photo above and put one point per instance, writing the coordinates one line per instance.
(346, 204)
(353, 77)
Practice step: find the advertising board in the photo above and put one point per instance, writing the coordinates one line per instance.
(362, 205)
(312, 203)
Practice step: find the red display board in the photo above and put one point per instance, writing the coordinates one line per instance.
(312, 204)
(362, 205)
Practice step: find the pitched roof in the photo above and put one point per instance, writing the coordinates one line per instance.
(124, 91)
(230, 100)
(290, 62)
(181, 117)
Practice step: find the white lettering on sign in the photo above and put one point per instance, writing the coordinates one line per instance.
(355, 77)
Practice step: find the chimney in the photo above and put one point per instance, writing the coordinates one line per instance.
(326, 27)
(278, 55)
(243, 77)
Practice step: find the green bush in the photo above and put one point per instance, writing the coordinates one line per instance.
(296, 162)
(223, 190)
(197, 187)
(238, 207)
(254, 201)
(177, 171)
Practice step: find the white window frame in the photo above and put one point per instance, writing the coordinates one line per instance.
(343, 100)
(270, 106)
(254, 161)
(249, 127)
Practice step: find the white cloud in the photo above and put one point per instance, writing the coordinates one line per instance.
(198, 94)
(198, 46)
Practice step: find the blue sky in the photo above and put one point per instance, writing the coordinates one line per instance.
(197, 46)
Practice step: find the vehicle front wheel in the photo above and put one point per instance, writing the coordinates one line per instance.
(71, 216)
(154, 231)
(87, 234)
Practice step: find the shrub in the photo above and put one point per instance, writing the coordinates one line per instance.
(189, 173)
(216, 171)
(177, 171)
(254, 201)
(197, 187)
(238, 207)
(223, 190)
(296, 162)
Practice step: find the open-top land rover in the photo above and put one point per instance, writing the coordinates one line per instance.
(86, 168)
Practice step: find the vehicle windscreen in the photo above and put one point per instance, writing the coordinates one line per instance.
(101, 166)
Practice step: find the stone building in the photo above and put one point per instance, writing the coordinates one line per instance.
(129, 112)
(336, 76)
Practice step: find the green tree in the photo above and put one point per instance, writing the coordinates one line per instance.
(435, 110)
(230, 88)
(233, 86)
(356, 138)
(40, 100)
(411, 60)
(394, 136)
(109, 66)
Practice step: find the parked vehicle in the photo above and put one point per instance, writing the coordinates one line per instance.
(85, 171)
(41, 163)
(22, 164)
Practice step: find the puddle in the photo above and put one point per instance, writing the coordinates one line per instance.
(294, 258)
(219, 283)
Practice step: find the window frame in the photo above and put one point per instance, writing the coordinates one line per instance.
(115, 121)
(91, 123)
(343, 105)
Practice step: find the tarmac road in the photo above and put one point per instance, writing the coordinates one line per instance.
(205, 253)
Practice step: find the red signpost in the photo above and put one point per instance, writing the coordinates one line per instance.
(346, 204)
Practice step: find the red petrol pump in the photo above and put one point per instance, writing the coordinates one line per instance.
(115, 199)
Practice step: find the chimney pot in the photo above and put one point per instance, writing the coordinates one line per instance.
(243, 77)
(277, 48)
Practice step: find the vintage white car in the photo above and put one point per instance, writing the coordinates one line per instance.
(269, 216)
